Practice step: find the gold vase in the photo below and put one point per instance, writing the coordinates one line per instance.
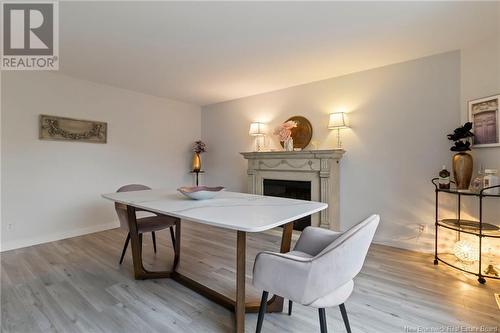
(462, 170)
(196, 163)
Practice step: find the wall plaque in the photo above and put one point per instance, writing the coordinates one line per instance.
(69, 129)
(301, 134)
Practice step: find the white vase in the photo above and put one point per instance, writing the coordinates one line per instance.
(288, 144)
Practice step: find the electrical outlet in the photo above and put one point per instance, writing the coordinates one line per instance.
(422, 228)
(10, 227)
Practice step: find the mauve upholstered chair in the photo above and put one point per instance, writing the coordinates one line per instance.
(144, 224)
(318, 272)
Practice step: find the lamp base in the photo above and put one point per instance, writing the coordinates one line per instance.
(339, 143)
(258, 144)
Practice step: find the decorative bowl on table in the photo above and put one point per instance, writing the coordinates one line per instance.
(200, 192)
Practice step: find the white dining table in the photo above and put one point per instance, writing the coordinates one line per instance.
(229, 210)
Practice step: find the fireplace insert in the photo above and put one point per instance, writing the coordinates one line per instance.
(292, 189)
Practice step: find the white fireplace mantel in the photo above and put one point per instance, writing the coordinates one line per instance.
(320, 167)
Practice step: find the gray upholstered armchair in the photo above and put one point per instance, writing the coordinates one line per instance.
(318, 272)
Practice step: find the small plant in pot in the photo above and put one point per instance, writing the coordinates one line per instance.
(462, 161)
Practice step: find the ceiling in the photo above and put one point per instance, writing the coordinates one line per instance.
(208, 52)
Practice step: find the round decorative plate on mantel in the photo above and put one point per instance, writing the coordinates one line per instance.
(301, 134)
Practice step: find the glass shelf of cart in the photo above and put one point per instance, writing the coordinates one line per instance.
(467, 192)
(480, 193)
(451, 260)
(473, 266)
(471, 227)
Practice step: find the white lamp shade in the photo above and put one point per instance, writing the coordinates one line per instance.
(256, 129)
(338, 120)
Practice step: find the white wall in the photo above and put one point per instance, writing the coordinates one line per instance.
(399, 114)
(480, 68)
(51, 190)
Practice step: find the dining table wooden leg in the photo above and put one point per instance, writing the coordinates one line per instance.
(239, 310)
(286, 237)
(177, 243)
(140, 272)
(135, 242)
(275, 304)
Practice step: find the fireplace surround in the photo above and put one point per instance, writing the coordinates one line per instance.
(318, 167)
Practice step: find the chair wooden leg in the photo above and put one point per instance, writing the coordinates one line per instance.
(322, 321)
(125, 248)
(344, 317)
(290, 304)
(262, 311)
(154, 240)
(172, 236)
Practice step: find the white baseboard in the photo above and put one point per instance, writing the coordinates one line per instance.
(415, 245)
(17, 244)
(20, 243)
(404, 245)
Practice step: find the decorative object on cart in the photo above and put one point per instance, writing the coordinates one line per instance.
(484, 114)
(486, 178)
(338, 121)
(478, 229)
(466, 251)
(444, 178)
(491, 179)
(490, 270)
(199, 147)
(200, 192)
(69, 129)
(284, 132)
(257, 130)
(477, 183)
(462, 161)
(462, 170)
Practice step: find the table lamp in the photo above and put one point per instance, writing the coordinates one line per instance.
(257, 130)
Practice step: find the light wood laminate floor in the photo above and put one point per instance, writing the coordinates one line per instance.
(76, 285)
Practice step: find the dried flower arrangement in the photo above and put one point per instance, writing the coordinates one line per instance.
(461, 136)
(284, 131)
(199, 147)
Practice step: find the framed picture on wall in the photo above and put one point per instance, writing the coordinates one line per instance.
(484, 115)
